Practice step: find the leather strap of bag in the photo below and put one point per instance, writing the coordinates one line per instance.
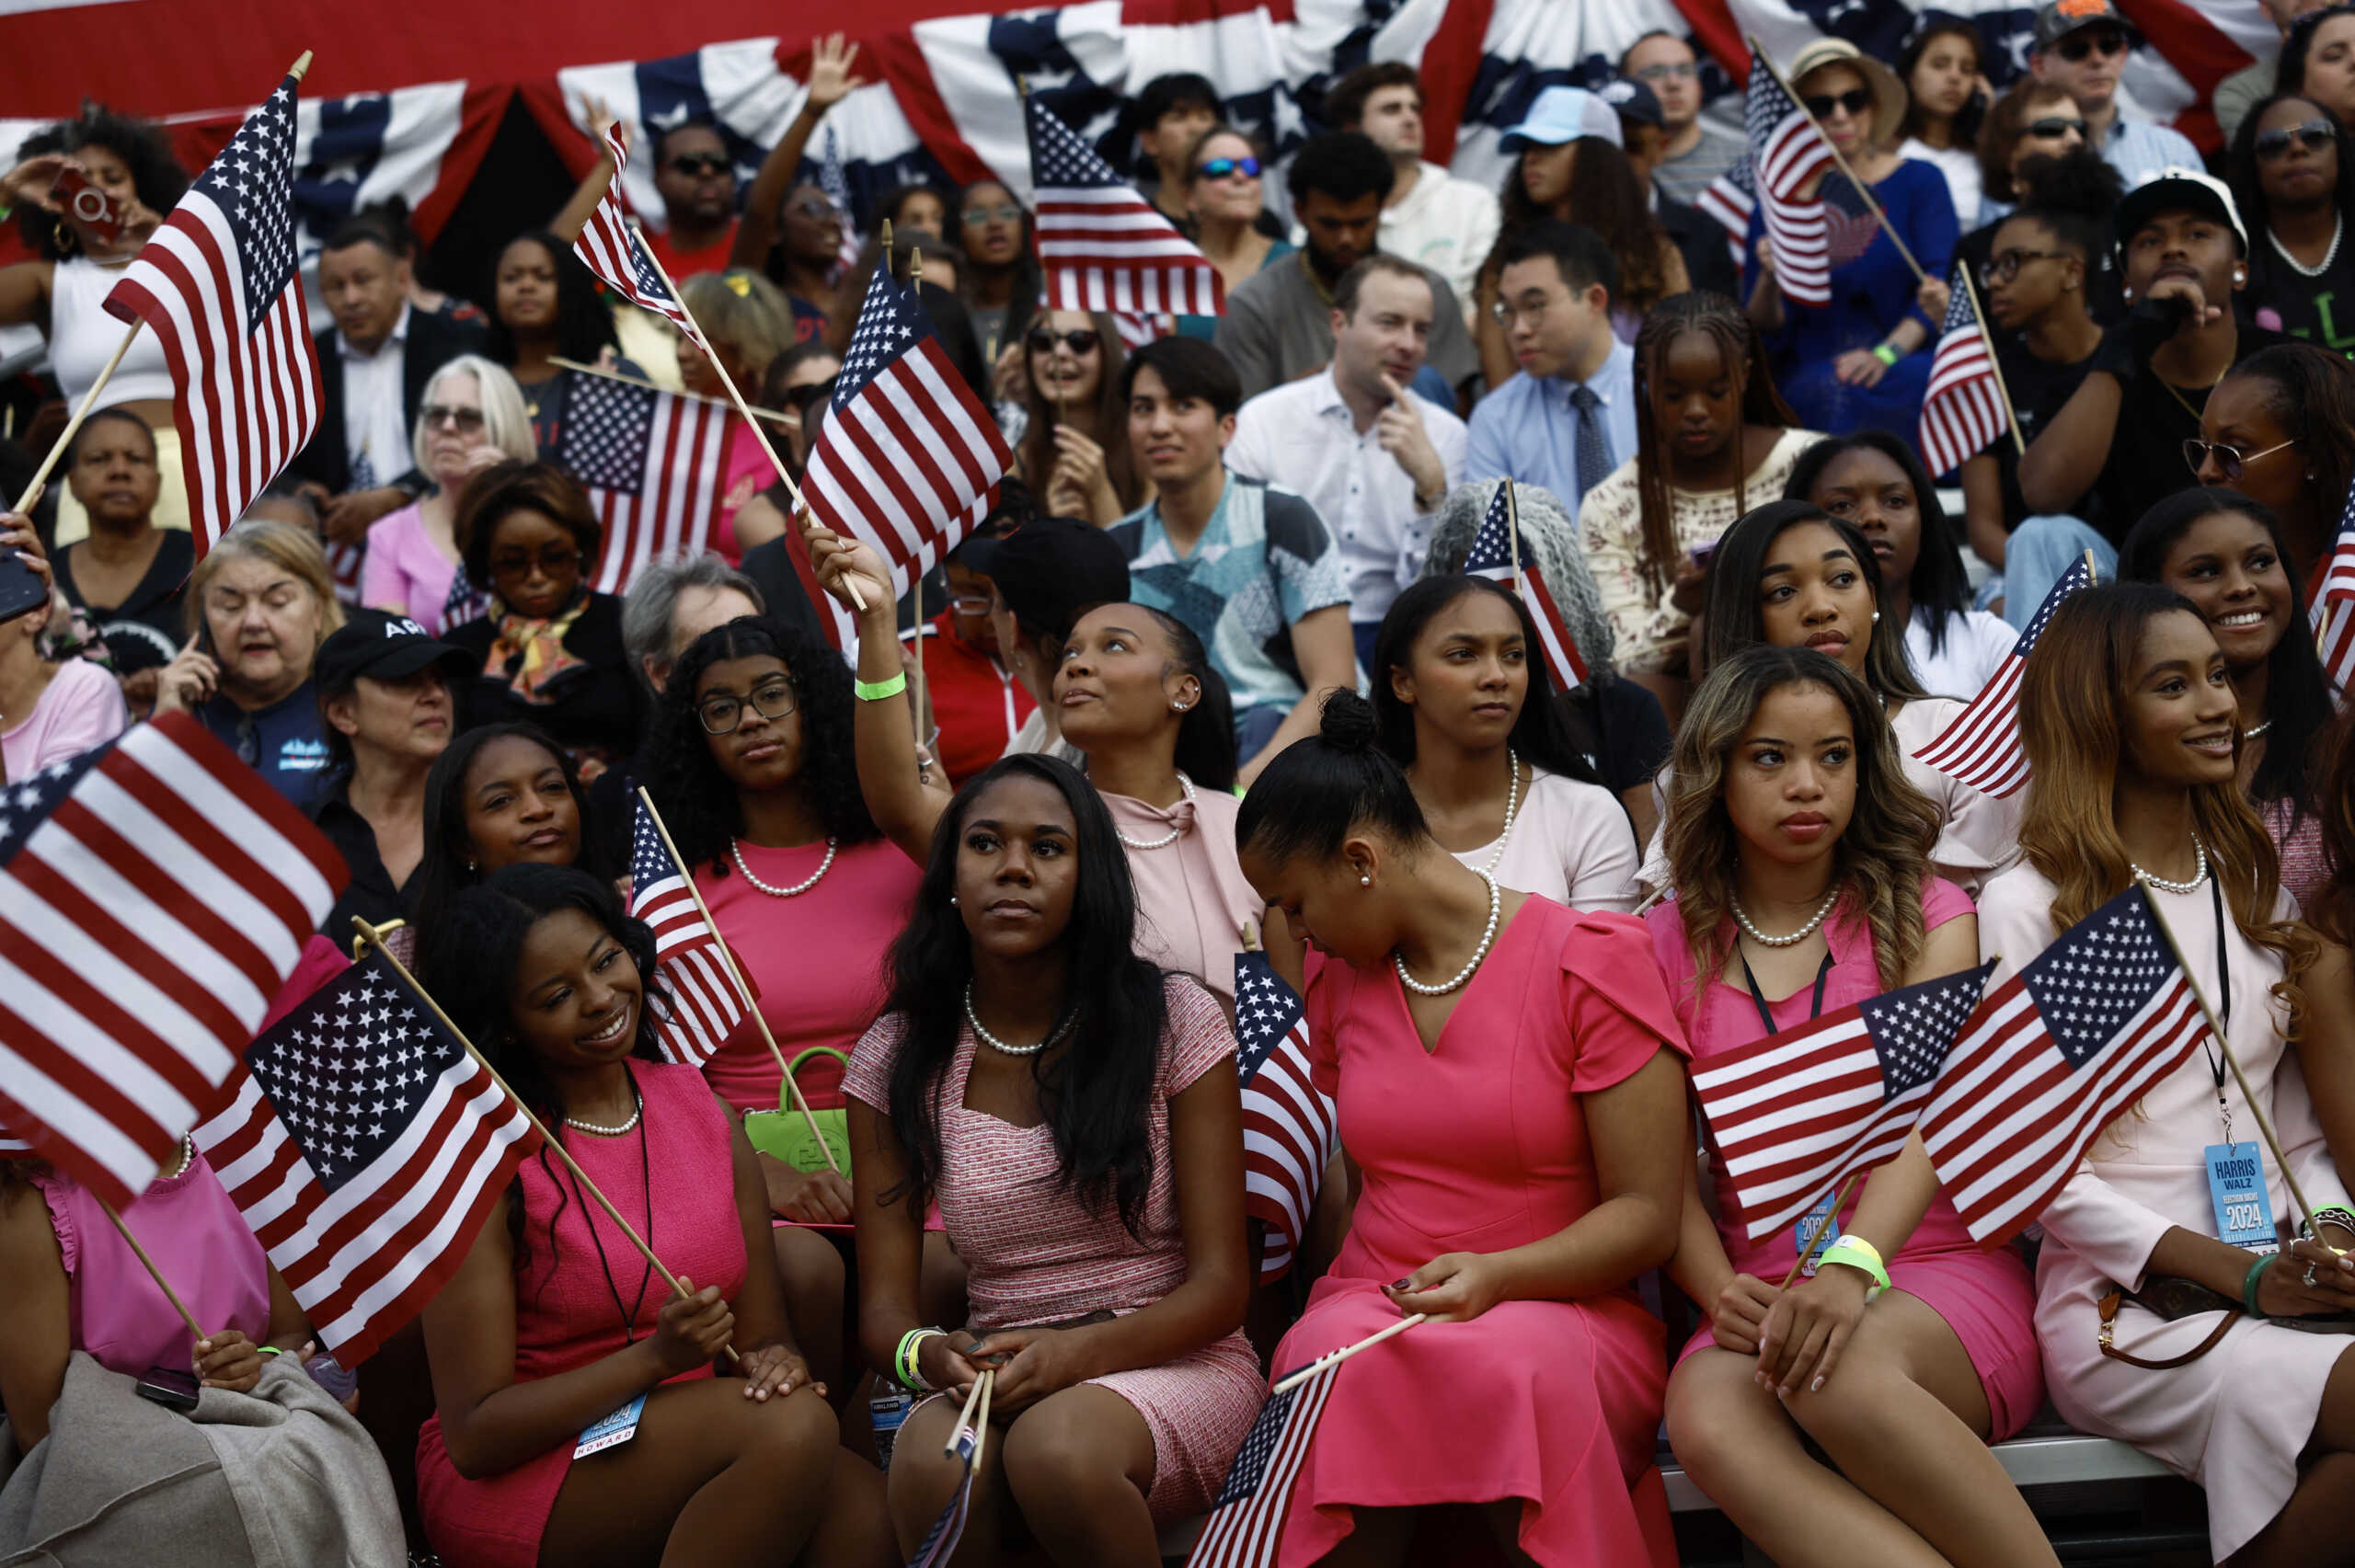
(2109, 1305)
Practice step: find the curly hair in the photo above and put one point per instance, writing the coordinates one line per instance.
(1606, 197)
(1550, 534)
(1883, 856)
(141, 145)
(697, 802)
(584, 323)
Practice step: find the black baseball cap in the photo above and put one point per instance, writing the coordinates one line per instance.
(1633, 99)
(1051, 570)
(384, 647)
(2058, 19)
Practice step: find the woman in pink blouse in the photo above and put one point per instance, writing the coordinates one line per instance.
(470, 416)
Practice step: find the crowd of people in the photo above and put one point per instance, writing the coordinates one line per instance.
(1218, 673)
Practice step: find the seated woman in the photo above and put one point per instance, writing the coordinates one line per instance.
(1508, 1079)
(533, 1340)
(1468, 709)
(546, 305)
(1226, 200)
(129, 576)
(1075, 451)
(471, 418)
(1801, 860)
(2127, 716)
(1089, 1164)
(498, 796)
(548, 650)
(2281, 430)
(2292, 173)
(50, 711)
(2031, 120)
(1940, 68)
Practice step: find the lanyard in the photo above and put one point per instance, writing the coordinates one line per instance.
(2224, 997)
(589, 1217)
(1815, 1004)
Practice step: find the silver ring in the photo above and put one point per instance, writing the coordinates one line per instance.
(2310, 1277)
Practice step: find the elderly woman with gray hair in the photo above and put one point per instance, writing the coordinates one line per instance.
(469, 418)
(1535, 786)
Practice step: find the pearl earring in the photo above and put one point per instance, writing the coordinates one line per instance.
(952, 901)
(1876, 617)
(1364, 881)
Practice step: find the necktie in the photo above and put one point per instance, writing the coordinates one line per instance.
(1594, 457)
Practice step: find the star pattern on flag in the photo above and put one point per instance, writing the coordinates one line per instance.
(346, 1069)
(649, 863)
(1063, 159)
(252, 182)
(26, 803)
(2078, 576)
(889, 322)
(1491, 548)
(1258, 1449)
(1266, 1010)
(1913, 1029)
(2102, 971)
(607, 424)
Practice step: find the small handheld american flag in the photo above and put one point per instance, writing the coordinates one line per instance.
(364, 1147)
(1289, 1133)
(615, 253)
(655, 466)
(1491, 555)
(1730, 198)
(2332, 614)
(1786, 151)
(2053, 1056)
(1982, 747)
(1963, 411)
(705, 1003)
(941, 1542)
(218, 286)
(1102, 244)
(835, 183)
(155, 894)
(1795, 1115)
(1246, 1522)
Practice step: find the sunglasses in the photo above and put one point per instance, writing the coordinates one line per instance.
(2003, 268)
(695, 166)
(1081, 340)
(553, 561)
(2053, 129)
(466, 420)
(2077, 45)
(817, 209)
(1219, 168)
(1853, 102)
(976, 216)
(1682, 71)
(2314, 135)
(2230, 460)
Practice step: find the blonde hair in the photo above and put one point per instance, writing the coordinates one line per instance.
(283, 545)
(1883, 856)
(739, 309)
(505, 425)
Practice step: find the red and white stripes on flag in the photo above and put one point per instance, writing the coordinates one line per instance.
(1730, 198)
(154, 895)
(613, 251)
(218, 285)
(1788, 151)
(1980, 748)
(654, 464)
(1101, 244)
(1492, 555)
(907, 460)
(1246, 1522)
(704, 1002)
(1290, 1128)
(1963, 412)
(2332, 614)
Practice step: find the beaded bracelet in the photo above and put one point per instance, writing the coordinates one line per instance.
(878, 690)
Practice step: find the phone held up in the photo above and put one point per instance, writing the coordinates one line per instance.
(21, 589)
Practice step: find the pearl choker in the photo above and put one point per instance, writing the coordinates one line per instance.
(1464, 975)
(997, 1045)
(1796, 937)
(797, 888)
(638, 1109)
(2255, 730)
(2198, 876)
(1186, 787)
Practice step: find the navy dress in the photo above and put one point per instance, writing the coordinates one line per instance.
(1872, 291)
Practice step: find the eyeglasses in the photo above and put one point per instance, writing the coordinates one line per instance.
(1682, 71)
(1080, 341)
(1532, 310)
(722, 712)
(815, 208)
(1219, 168)
(971, 603)
(2230, 460)
(2077, 45)
(976, 216)
(468, 421)
(695, 166)
(799, 398)
(1853, 102)
(2313, 134)
(553, 562)
(2006, 265)
(2053, 129)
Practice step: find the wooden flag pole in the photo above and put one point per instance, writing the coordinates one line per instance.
(1336, 1357)
(1512, 526)
(965, 1416)
(1862, 189)
(548, 1139)
(156, 1274)
(1996, 366)
(1822, 1225)
(771, 415)
(728, 956)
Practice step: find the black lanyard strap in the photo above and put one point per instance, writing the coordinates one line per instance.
(2224, 1001)
(1815, 1004)
(588, 1216)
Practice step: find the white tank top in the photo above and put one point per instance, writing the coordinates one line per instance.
(83, 336)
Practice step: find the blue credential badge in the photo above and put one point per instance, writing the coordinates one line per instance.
(2236, 1187)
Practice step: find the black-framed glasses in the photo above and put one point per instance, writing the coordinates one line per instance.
(2230, 460)
(1853, 102)
(2312, 134)
(2077, 45)
(466, 421)
(1080, 340)
(2005, 266)
(2053, 128)
(695, 166)
(1219, 168)
(722, 712)
(553, 561)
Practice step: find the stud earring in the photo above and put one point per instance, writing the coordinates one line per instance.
(1364, 881)
(1876, 617)
(952, 901)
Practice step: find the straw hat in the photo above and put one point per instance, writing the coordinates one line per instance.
(1889, 94)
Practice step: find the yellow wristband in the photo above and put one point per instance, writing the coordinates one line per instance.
(879, 691)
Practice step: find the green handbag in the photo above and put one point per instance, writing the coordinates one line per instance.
(784, 1134)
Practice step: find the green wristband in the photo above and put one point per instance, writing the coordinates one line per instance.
(2252, 1279)
(1887, 354)
(1855, 1257)
(879, 691)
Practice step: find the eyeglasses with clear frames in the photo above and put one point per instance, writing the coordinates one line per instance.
(1532, 311)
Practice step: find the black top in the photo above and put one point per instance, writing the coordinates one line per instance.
(2038, 388)
(2320, 311)
(371, 894)
(1621, 731)
(2146, 464)
(1701, 240)
(598, 710)
(434, 340)
(147, 629)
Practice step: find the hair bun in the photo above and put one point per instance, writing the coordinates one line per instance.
(1347, 724)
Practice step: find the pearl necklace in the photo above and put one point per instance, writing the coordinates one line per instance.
(638, 1109)
(2256, 730)
(1796, 937)
(1496, 904)
(1186, 787)
(797, 888)
(1512, 802)
(2337, 233)
(1000, 1045)
(2164, 885)
(188, 1156)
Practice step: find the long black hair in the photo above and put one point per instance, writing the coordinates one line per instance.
(468, 964)
(1096, 1096)
(1541, 731)
(697, 803)
(2290, 70)
(1735, 620)
(1206, 732)
(584, 325)
(448, 868)
(2297, 693)
(1939, 583)
(143, 148)
(1316, 791)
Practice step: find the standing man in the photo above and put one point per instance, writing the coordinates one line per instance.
(1373, 459)
(1430, 217)
(2081, 48)
(697, 180)
(1696, 149)
(1172, 113)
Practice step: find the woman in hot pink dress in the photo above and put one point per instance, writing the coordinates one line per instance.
(1800, 861)
(1511, 1101)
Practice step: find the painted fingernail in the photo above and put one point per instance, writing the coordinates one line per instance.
(1401, 1283)
(1815, 1387)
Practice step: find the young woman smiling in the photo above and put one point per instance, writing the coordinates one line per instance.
(1800, 856)
(498, 796)
(2128, 721)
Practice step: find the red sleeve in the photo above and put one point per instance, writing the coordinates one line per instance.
(1943, 901)
(1617, 1003)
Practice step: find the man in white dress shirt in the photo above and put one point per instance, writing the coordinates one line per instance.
(1373, 459)
(1446, 223)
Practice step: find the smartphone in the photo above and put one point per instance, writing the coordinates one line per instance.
(86, 204)
(174, 1387)
(21, 590)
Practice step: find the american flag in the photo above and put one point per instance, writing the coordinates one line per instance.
(835, 183)
(1730, 198)
(1982, 747)
(1102, 244)
(1794, 1114)
(2053, 1056)
(1963, 410)
(364, 1146)
(2332, 615)
(1786, 151)
(218, 285)
(655, 466)
(614, 252)
(463, 602)
(1246, 1522)
(1288, 1136)
(908, 460)
(705, 1003)
(941, 1542)
(1491, 555)
(154, 893)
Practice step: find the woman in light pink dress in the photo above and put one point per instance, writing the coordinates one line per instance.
(1803, 885)
(2130, 722)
